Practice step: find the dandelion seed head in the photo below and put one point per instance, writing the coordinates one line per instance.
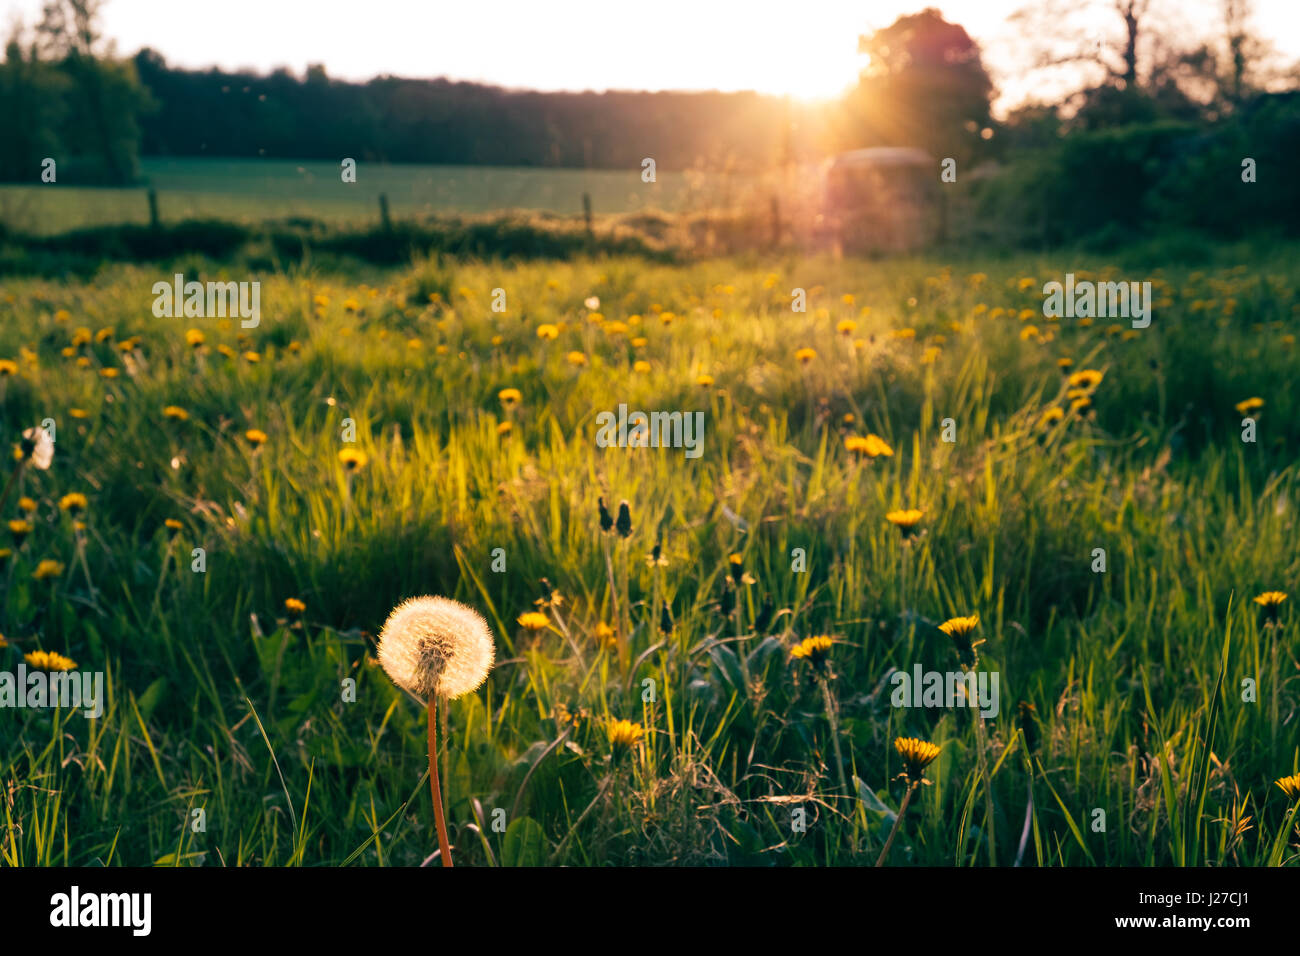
(434, 645)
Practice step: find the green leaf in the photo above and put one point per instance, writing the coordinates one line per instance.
(152, 697)
(728, 665)
(524, 843)
(872, 802)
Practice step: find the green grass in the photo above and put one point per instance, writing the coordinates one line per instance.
(258, 189)
(217, 700)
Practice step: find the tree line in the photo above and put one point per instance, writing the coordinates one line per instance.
(1151, 126)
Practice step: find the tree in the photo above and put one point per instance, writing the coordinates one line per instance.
(924, 85)
(103, 99)
(1135, 71)
(31, 111)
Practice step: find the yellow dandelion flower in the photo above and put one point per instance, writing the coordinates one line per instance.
(510, 396)
(504, 428)
(959, 630)
(73, 502)
(26, 504)
(905, 520)
(1249, 405)
(548, 331)
(917, 755)
(1271, 602)
(1051, 416)
(533, 620)
(49, 661)
(294, 606)
(256, 437)
(1270, 598)
(805, 355)
(705, 381)
(873, 446)
(624, 735)
(606, 636)
(353, 459)
(815, 650)
(846, 327)
(48, 568)
(176, 412)
(1084, 378)
(8, 367)
(576, 359)
(1290, 786)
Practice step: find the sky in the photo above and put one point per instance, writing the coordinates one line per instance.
(806, 49)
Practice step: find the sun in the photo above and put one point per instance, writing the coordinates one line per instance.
(811, 77)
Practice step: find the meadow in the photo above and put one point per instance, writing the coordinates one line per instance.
(475, 474)
(253, 190)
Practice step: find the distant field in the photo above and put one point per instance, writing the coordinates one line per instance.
(261, 189)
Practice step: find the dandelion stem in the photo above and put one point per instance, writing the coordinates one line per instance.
(1029, 819)
(162, 577)
(1276, 679)
(898, 821)
(573, 645)
(81, 559)
(13, 476)
(980, 744)
(625, 602)
(600, 792)
(613, 590)
(444, 845)
(835, 730)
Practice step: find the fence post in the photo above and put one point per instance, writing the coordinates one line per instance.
(153, 208)
(383, 213)
(586, 216)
